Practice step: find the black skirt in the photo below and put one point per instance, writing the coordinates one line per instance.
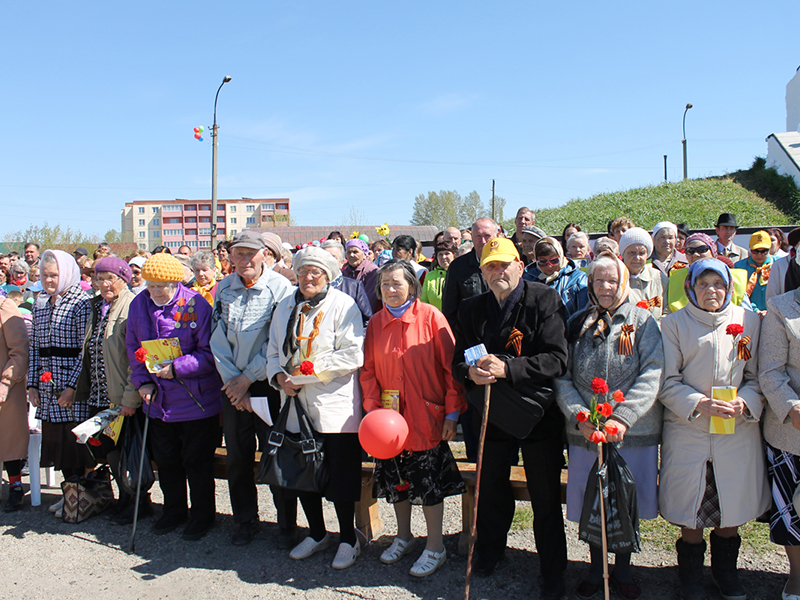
(60, 448)
(426, 477)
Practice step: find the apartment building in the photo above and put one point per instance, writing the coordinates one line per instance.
(173, 223)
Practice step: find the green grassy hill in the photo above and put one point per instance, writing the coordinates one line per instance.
(757, 196)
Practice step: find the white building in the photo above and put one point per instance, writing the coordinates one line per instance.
(783, 149)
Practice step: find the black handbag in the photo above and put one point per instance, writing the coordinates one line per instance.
(295, 461)
(515, 410)
(131, 448)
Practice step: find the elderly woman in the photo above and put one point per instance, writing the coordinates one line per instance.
(183, 395)
(779, 245)
(204, 267)
(715, 480)
(13, 405)
(606, 244)
(578, 249)
(778, 357)
(665, 256)
(59, 324)
(19, 274)
(596, 337)
(403, 337)
(432, 288)
(273, 256)
(322, 325)
(106, 372)
(648, 284)
(358, 267)
(560, 273)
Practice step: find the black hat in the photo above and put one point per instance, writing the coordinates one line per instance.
(726, 220)
(82, 251)
(794, 237)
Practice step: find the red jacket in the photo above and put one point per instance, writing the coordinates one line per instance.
(413, 354)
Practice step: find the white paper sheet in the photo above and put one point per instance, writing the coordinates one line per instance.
(260, 405)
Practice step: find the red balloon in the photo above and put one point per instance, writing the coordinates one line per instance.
(197, 130)
(383, 433)
(197, 136)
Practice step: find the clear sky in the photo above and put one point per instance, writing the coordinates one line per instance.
(361, 106)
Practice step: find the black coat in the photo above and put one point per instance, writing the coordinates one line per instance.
(464, 280)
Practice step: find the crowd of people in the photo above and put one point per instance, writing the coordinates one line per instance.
(342, 327)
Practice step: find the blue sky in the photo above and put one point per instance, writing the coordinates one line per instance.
(361, 106)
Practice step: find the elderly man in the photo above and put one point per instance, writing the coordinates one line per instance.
(453, 235)
(358, 267)
(525, 218)
(243, 310)
(726, 228)
(522, 326)
(32, 254)
(185, 250)
(351, 287)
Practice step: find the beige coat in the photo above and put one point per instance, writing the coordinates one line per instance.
(651, 283)
(698, 354)
(14, 365)
(779, 370)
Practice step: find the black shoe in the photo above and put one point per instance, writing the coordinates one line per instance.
(287, 538)
(483, 565)
(15, 496)
(195, 530)
(125, 517)
(120, 505)
(245, 532)
(169, 523)
(553, 588)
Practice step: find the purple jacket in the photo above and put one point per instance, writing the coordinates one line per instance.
(196, 368)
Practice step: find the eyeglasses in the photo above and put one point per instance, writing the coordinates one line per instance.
(697, 249)
(313, 271)
(110, 281)
(548, 263)
(760, 251)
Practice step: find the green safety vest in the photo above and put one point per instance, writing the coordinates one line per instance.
(677, 294)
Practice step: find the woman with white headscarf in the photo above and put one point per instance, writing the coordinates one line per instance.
(665, 255)
(59, 326)
(648, 284)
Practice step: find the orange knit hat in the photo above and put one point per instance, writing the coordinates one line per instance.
(162, 268)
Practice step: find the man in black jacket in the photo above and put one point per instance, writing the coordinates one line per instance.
(522, 325)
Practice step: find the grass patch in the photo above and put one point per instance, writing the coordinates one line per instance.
(523, 518)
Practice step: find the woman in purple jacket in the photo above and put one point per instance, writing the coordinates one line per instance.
(183, 397)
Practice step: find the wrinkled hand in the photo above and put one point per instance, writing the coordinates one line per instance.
(244, 404)
(794, 415)
(587, 429)
(4, 387)
(165, 372)
(147, 391)
(620, 435)
(711, 407)
(449, 429)
(66, 398)
(127, 411)
(289, 388)
(493, 365)
(33, 397)
(236, 387)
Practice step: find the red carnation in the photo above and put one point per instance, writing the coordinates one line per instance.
(734, 329)
(643, 304)
(582, 416)
(599, 386)
(140, 354)
(46, 377)
(604, 409)
(598, 437)
(307, 367)
(611, 428)
(93, 441)
(618, 396)
(402, 487)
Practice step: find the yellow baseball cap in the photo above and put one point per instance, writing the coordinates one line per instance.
(500, 250)
(760, 240)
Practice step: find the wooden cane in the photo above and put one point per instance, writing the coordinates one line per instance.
(603, 523)
(481, 439)
(132, 545)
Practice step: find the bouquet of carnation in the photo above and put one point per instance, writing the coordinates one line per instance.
(599, 412)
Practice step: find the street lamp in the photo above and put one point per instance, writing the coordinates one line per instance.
(214, 145)
(685, 168)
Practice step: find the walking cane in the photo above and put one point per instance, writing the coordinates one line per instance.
(482, 438)
(603, 522)
(139, 483)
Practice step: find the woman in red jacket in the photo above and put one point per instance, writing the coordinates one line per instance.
(408, 354)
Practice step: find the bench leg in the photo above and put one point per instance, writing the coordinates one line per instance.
(35, 475)
(368, 521)
(467, 506)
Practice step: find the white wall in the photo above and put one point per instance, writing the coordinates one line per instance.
(777, 159)
(793, 103)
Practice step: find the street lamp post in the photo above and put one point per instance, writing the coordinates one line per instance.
(685, 167)
(214, 167)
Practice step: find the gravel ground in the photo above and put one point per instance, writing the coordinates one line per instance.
(41, 557)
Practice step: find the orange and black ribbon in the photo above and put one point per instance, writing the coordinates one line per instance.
(742, 351)
(655, 301)
(625, 342)
(515, 341)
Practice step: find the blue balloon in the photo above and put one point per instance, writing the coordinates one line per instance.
(199, 139)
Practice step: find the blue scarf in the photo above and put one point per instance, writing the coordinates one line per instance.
(399, 311)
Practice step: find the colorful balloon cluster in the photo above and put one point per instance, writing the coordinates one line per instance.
(198, 133)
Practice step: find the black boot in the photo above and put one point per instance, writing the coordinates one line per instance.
(724, 574)
(15, 496)
(690, 569)
(125, 517)
(120, 505)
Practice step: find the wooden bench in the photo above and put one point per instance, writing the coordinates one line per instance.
(368, 520)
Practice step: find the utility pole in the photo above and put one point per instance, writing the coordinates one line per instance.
(215, 138)
(685, 167)
(493, 219)
(665, 168)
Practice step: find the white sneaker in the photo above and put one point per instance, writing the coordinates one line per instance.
(310, 546)
(346, 555)
(397, 550)
(57, 506)
(428, 563)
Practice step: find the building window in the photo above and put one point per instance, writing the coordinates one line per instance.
(192, 243)
(191, 232)
(205, 219)
(171, 208)
(192, 207)
(173, 231)
(156, 209)
(141, 210)
(191, 219)
(221, 220)
(232, 208)
(269, 206)
(205, 231)
(251, 220)
(141, 222)
(250, 207)
(205, 207)
(142, 234)
(233, 232)
(156, 234)
(156, 222)
(233, 220)
(283, 206)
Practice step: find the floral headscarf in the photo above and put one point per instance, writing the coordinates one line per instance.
(698, 268)
(706, 239)
(69, 273)
(597, 317)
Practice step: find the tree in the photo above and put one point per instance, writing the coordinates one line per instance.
(447, 209)
(354, 219)
(472, 209)
(53, 238)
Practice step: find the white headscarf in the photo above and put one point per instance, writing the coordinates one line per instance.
(69, 273)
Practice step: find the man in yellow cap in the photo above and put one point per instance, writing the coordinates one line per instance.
(758, 266)
(521, 325)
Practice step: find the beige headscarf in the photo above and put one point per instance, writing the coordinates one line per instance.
(562, 260)
(597, 317)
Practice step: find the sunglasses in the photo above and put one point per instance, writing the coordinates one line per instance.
(697, 250)
(760, 251)
(548, 263)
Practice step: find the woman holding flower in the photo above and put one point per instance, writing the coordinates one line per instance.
(318, 331)
(614, 345)
(715, 480)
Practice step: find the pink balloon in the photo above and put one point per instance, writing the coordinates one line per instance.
(383, 433)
